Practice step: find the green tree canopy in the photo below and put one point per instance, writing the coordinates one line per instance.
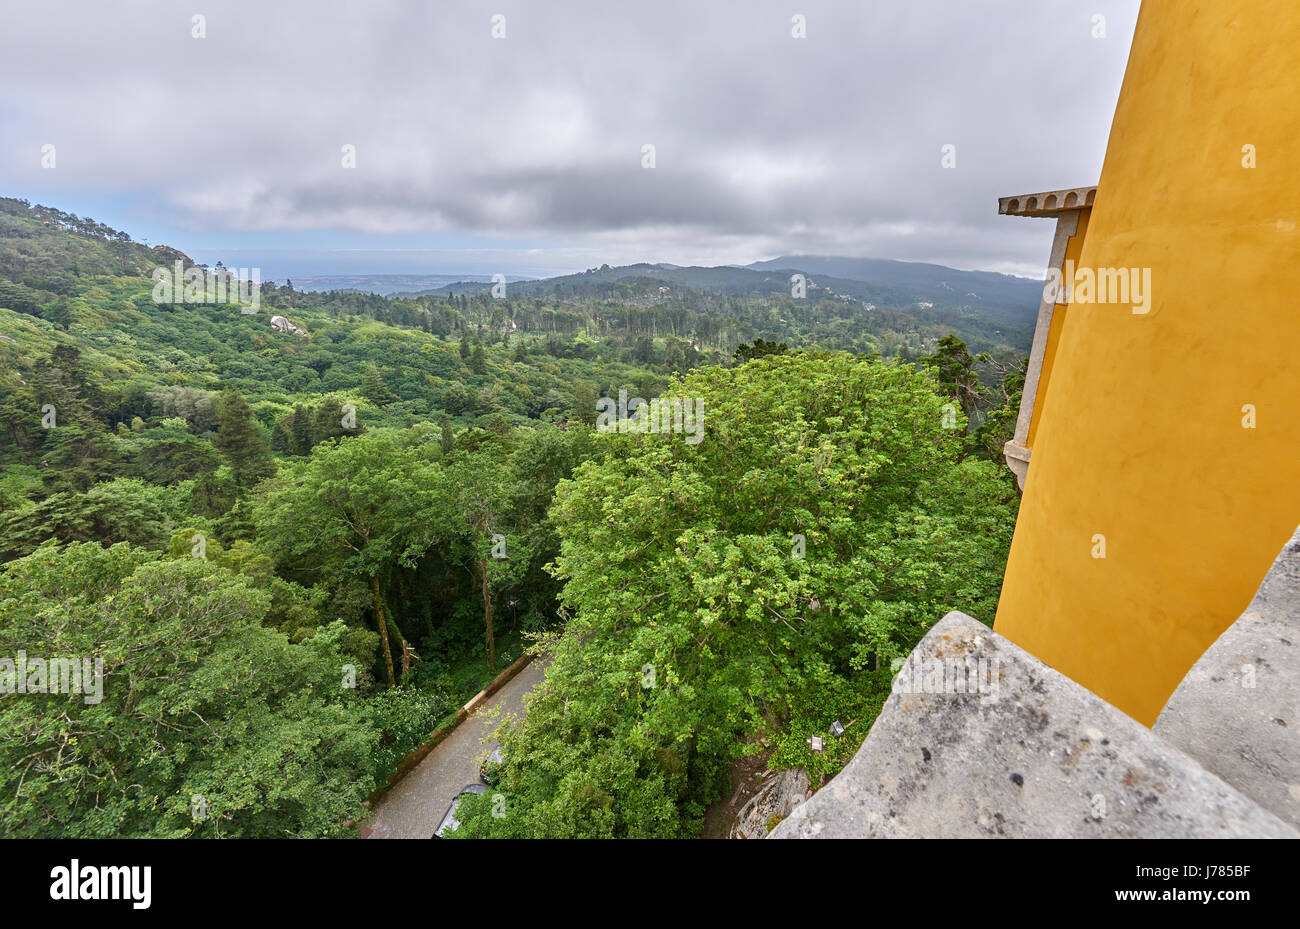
(821, 525)
(359, 507)
(210, 723)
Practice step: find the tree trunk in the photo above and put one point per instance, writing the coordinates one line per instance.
(383, 629)
(487, 620)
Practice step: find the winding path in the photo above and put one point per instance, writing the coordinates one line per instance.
(413, 808)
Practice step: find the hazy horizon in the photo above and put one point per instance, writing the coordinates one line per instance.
(347, 263)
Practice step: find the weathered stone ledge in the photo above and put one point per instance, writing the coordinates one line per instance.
(980, 738)
(1237, 711)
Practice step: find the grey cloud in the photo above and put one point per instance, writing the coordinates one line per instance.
(764, 143)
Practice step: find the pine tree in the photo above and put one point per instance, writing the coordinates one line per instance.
(584, 403)
(328, 423)
(477, 363)
(375, 388)
(282, 435)
(300, 430)
(240, 440)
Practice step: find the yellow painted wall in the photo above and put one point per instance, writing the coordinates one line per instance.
(1141, 435)
(1073, 250)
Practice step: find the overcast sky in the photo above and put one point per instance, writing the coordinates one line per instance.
(524, 154)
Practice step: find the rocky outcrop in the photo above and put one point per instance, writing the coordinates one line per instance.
(780, 794)
(168, 254)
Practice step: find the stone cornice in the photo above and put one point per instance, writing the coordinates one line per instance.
(1047, 203)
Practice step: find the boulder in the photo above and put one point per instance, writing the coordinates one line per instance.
(280, 324)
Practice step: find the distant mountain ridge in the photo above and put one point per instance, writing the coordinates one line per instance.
(1003, 300)
(907, 274)
(389, 284)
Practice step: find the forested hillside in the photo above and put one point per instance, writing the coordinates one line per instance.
(893, 308)
(298, 548)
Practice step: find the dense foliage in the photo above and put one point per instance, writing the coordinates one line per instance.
(716, 591)
(211, 723)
